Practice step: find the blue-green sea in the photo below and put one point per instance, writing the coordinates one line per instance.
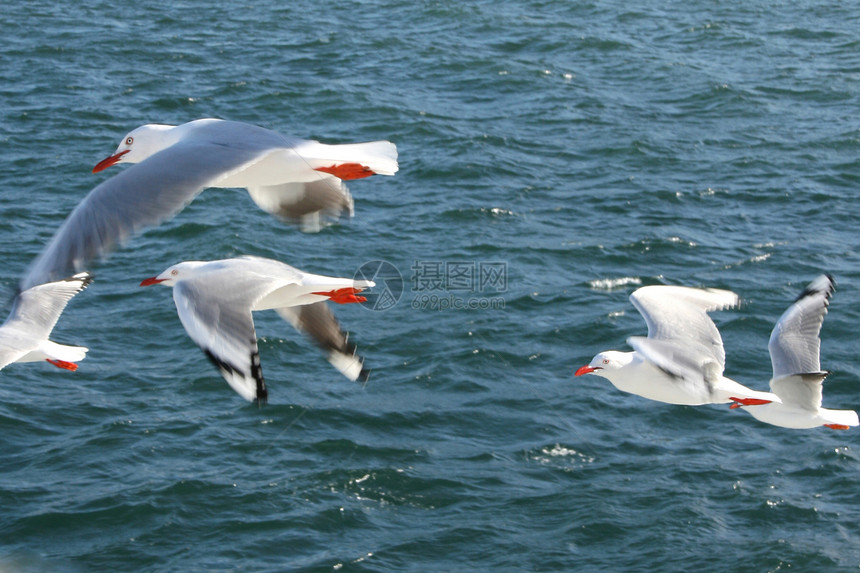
(554, 156)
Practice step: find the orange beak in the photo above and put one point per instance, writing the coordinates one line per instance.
(108, 161)
(585, 370)
(151, 281)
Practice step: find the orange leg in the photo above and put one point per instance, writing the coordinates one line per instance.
(837, 426)
(347, 171)
(343, 295)
(747, 402)
(63, 364)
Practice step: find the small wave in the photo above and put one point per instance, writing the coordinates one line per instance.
(547, 453)
(753, 259)
(497, 211)
(682, 241)
(845, 453)
(559, 450)
(612, 284)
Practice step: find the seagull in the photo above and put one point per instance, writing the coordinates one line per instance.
(797, 376)
(35, 311)
(215, 299)
(294, 179)
(682, 359)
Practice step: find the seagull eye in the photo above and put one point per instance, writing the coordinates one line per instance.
(606, 361)
(174, 272)
(129, 140)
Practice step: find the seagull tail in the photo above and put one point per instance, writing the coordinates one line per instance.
(840, 417)
(63, 352)
(378, 157)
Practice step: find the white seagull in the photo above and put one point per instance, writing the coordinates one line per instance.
(682, 359)
(35, 311)
(215, 299)
(797, 376)
(294, 179)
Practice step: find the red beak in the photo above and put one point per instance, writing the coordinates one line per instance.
(585, 370)
(108, 161)
(151, 281)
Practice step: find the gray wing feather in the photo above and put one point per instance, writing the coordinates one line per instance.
(140, 196)
(794, 343)
(246, 136)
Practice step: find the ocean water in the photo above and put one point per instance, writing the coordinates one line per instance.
(554, 156)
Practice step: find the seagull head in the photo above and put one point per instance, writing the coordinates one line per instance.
(606, 362)
(139, 144)
(174, 274)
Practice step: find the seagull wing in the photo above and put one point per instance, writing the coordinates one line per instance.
(35, 313)
(37, 309)
(794, 343)
(801, 390)
(319, 323)
(12, 347)
(680, 313)
(221, 324)
(139, 196)
(312, 204)
(688, 361)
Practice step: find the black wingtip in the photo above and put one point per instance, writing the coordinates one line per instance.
(816, 287)
(224, 367)
(220, 364)
(364, 375)
(257, 374)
